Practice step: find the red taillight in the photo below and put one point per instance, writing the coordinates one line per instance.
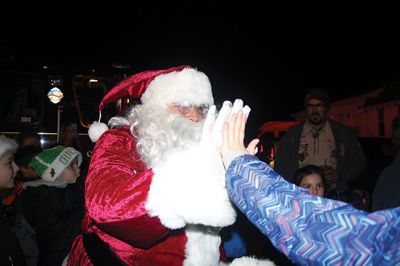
(272, 153)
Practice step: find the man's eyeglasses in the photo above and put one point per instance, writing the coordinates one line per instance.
(185, 107)
(312, 106)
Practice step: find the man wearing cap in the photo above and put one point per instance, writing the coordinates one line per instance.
(322, 142)
(155, 191)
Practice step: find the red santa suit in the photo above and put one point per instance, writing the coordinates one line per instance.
(116, 193)
(167, 215)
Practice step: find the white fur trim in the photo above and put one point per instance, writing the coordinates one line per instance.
(249, 261)
(202, 249)
(185, 85)
(189, 188)
(96, 130)
(202, 246)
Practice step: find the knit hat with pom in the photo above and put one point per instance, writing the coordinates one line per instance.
(50, 163)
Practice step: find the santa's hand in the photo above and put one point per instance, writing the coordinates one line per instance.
(208, 126)
(223, 116)
(214, 124)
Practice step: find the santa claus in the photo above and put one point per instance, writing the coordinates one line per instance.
(155, 191)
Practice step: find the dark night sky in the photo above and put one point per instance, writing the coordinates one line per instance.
(267, 55)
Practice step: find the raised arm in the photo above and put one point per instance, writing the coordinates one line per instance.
(310, 230)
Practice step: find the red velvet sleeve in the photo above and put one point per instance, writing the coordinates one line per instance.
(116, 191)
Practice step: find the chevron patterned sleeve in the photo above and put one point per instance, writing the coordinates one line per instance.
(312, 230)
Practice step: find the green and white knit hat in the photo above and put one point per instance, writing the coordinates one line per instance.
(50, 163)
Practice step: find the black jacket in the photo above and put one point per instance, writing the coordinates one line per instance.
(10, 250)
(55, 213)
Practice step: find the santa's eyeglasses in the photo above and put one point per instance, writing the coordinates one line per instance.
(185, 107)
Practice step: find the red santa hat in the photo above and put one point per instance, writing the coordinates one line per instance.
(159, 88)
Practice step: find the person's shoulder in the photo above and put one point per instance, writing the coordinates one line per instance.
(115, 134)
(343, 128)
(296, 129)
(392, 169)
(293, 130)
(336, 124)
(118, 138)
(32, 194)
(117, 131)
(298, 126)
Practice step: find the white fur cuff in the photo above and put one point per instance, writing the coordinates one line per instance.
(189, 187)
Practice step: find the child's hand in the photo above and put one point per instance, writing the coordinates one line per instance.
(233, 137)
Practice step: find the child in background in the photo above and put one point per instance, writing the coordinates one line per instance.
(311, 177)
(22, 158)
(53, 205)
(23, 230)
(10, 250)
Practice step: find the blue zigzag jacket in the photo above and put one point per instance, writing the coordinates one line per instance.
(312, 230)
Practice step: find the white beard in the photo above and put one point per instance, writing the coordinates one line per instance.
(158, 132)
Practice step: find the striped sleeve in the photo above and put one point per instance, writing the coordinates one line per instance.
(312, 230)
